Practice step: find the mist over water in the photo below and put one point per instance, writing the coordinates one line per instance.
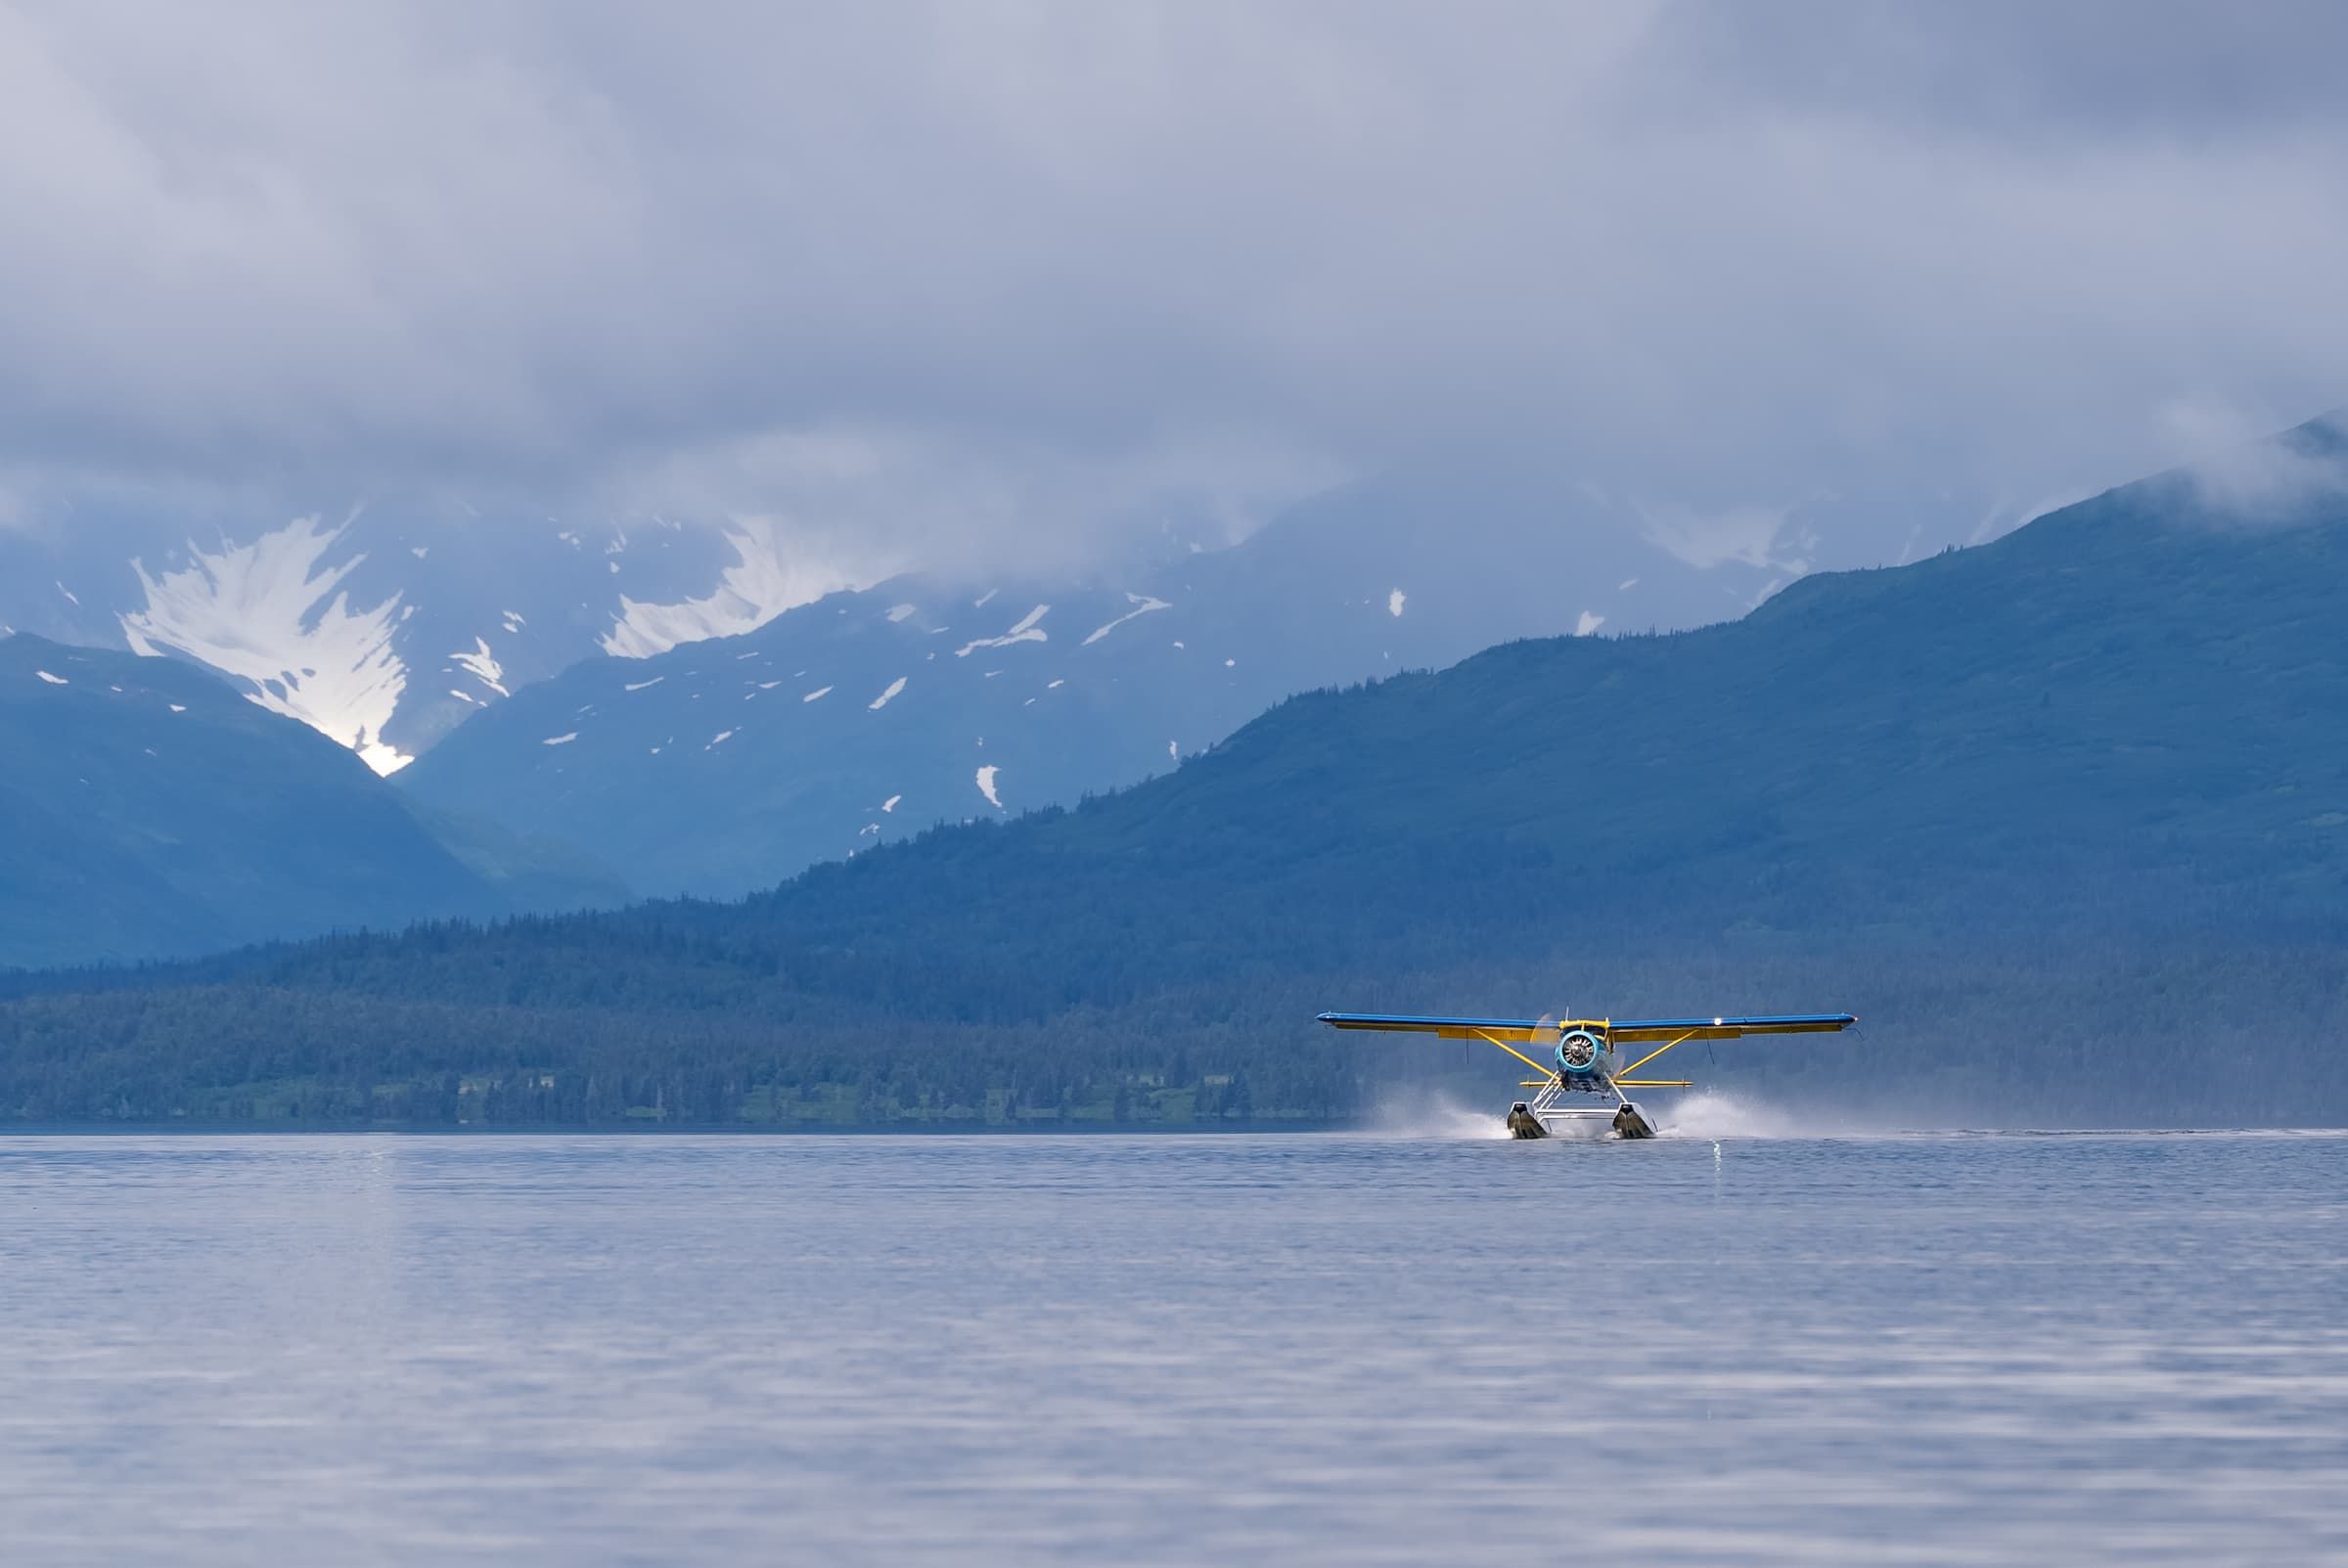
(1714, 1113)
(1336, 1348)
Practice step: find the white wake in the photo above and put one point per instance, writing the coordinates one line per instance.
(1436, 1116)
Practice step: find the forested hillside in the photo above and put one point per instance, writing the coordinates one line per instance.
(2061, 818)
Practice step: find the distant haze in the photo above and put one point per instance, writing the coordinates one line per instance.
(931, 283)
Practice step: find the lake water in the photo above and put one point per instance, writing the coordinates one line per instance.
(1294, 1349)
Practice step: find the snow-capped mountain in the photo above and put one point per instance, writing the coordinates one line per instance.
(383, 627)
(727, 764)
(435, 630)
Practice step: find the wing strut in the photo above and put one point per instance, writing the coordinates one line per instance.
(1518, 1055)
(1651, 1056)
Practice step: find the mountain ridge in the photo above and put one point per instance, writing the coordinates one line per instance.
(148, 811)
(728, 764)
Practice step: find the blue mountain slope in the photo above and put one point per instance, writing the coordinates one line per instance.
(147, 810)
(2119, 720)
(726, 764)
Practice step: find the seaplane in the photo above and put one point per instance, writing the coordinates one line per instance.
(1581, 1087)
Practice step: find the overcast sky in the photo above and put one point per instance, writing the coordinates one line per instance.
(912, 276)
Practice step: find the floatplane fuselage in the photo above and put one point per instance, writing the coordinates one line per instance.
(1581, 1084)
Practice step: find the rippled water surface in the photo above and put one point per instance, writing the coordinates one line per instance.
(1305, 1349)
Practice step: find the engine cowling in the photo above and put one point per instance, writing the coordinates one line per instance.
(1580, 1053)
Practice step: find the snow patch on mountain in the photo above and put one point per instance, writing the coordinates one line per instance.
(760, 585)
(898, 612)
(881, 701)
(638, 686)
(273, 615)
(1589, 622)
(1394, 602)
(560, 740)
(1026, 631)
(986, 785)
(53, 680)
(1147, 605)
(483, 668)
(817, 691)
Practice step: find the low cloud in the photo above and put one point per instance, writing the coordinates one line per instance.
(2253, 481)
(1753, 536)
(972, 282)
(875, 500)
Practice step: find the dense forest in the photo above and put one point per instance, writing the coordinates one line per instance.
(2064, 819)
